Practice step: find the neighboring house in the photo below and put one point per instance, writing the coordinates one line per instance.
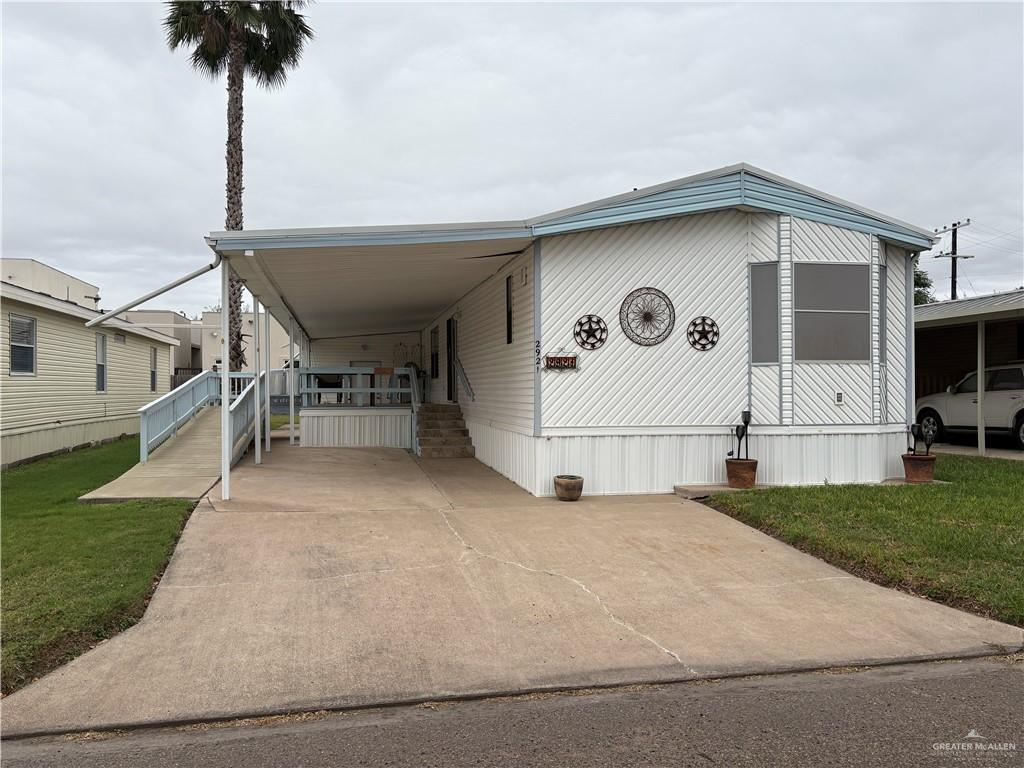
(187, 355)
(42, 278)
(622, 339)
(65, 385)
(209, 334)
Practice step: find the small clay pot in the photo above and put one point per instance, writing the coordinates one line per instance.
(741, 473)
(919, 468)
(568, 487)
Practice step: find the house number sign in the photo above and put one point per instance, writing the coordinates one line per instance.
(560, 362)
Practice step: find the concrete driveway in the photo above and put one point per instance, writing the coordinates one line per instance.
(356, 577)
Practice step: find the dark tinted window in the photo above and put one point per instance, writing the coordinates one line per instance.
(1005, 380)
(832, 286)
(832, 336)
(970, 384)
(764, 312)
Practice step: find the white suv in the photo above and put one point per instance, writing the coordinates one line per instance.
(957, 407)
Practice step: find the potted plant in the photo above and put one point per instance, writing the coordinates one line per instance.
(920, 467)
(568, 487)
(741, 473)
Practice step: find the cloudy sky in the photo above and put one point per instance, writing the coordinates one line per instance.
(113, 163)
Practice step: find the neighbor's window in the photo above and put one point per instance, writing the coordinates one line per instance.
(508, 309)
(435, 353)
(23, 344)
(119, 338)
(832, 316)
(152, 369)
(764, 312)
(1005, 380)
(101, 362)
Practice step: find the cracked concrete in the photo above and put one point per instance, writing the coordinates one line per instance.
(340, 578)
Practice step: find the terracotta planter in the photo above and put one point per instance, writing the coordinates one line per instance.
(919, 468)
(741, 473)
(568, 487)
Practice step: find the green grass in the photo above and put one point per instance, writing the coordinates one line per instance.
(74, 574)
(278, 420)
(961, 544)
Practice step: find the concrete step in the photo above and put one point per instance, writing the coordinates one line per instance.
(451, 440)
(440, 408)
(450, 432)
(447, 452)
(441, 424)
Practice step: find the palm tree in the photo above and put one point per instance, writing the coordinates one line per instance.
(264, 39)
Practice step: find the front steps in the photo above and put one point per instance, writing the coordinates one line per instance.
(442, 432)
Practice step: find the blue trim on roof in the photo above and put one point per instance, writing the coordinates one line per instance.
(741, 188)
(412, 237)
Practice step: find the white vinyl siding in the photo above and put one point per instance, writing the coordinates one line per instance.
(895, 329)
(393, 350)
(501, 374)
(22, 345)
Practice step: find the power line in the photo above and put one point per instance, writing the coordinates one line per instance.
(953, 256)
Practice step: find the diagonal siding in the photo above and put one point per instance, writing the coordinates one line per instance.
(700, 262)
(763, 237)
(896, 335)
(814, 385)
(813, 241)
(764, 394)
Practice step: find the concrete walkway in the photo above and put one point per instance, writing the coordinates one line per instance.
(341, 578)
(184, 467)
(972, 450)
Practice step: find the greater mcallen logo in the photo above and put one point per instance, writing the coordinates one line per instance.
(975, 742)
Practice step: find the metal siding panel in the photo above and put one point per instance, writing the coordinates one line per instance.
(763, 237)
(372, 429)
(813, 241)
(786, 318)
(700, 262)
(510, 453)
(764, 404)
(896, 335)
(636, 464)
(814, 385)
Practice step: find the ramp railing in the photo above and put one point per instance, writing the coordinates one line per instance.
(162, 418)
(244, 410)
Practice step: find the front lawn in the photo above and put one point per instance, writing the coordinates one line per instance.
(960, 544)
(74, 573)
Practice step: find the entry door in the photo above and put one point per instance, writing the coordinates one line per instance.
(362, 378)
(451, 332)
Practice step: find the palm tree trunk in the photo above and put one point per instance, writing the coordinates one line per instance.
(233, 186)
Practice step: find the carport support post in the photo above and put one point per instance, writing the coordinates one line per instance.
(225, 385)
(291, 380)
(266, 367)
(981, 387)
(256, 402)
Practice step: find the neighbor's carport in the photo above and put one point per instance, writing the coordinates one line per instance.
(953, 338)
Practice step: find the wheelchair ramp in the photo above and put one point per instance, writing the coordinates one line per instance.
(186, 466)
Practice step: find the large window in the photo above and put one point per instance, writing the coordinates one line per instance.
(152, 369)
(435, 354)
(508, 309)
(101, 362)
(832, 316)
(764, 312)
(23, 345)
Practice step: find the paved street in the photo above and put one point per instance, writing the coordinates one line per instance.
(886, 717)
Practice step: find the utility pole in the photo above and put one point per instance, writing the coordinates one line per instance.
(952, 255)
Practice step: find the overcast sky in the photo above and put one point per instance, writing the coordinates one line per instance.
(113, 164)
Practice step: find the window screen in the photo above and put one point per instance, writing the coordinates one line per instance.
(832, 318)
(23, 344)
(764, 312)
(1005, 380)
(101, 362)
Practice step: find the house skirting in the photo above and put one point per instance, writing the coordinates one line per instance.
(355, 427)
(623, 463)
(31, 443)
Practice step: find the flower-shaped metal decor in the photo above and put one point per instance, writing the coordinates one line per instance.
(702, 333)
(647, 316)
(590, 332)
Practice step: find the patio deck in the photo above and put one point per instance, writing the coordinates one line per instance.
(185, 467)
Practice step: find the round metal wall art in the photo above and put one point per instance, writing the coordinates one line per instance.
(647, 316)
(590, 332)
(702, 333)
